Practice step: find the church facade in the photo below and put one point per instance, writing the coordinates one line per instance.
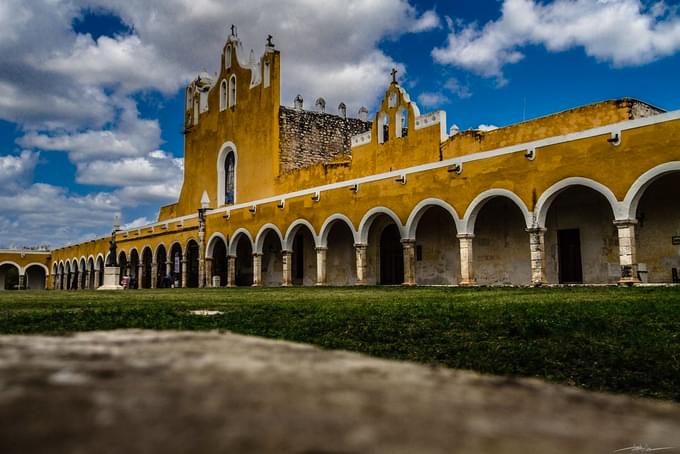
(274, 195)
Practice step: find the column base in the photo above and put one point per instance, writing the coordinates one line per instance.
(628, 282)
(111, 279)
(470, 283)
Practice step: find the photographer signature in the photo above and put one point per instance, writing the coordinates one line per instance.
(645, 448)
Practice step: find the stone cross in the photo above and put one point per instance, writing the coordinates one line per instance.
(233, 30)
(269, 41)
(394, 75)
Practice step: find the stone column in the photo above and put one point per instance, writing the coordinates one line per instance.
(231, 271)
(208, 271)
(537, 251)
(140, 275)
(22, 282)
(467, 270)
(185, 270)
(202, 275)
(58, 283)
(409, 247)
(360, 251)
(257, 269)
(168, 267)
(96, 278)
(87, 280)
(287, 257)
(154, 274)
(321, 256)
(627, 252)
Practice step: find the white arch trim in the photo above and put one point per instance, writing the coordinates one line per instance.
(155, 251)
(20, 270)
(549, 195)
(225, 149)
(638, 188)
(211, 243)
(96, 261)
(470, 218)
(328, 224)
(420, 209)
(44, 267)
(371, 215)
(236, 237)
(262, 234)
(292, 230)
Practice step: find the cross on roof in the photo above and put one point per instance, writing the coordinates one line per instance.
(269, 41)
(233, 30)
(394, 75)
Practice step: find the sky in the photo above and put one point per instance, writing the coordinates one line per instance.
(91, 91)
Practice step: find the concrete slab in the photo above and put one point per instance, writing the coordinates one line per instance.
(181, 392)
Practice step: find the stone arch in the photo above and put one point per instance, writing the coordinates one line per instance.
(420, 209)
(236, 237)
(260, 237)
(91, 284)
(370, 216)
(301, 242)
(157, 250)
(293, 229)
(468, 223)
(241, 248)
(225, 150)
(328, 224)
(160, 256)
(147, 276)
(101, 263)
(9, 275)
(175, 256)
(82, 272)
(36, 276)
(638, 188)
(210, 247)
(549, 195)
(192, 256)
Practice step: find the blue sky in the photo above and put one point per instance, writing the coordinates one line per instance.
(91, 91)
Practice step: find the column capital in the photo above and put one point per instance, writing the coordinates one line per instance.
(360, 245)
(408, 241)
(257, 254)
(321, 248)
(465, 236)
(286, 252)
(621, 223)
(208, 259)
(536, 229)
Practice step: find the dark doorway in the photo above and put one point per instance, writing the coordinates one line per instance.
(569, 254)
(391, 256)
(244, 262)
(192, 264)
(298, 259)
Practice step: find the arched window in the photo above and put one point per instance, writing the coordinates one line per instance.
(232, 91)
(402, 123)
(227, 58)
(383, 127)
(223, 95)
(229, 174)
(267, 73)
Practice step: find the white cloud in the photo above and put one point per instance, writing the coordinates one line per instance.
(486, 128)
(17, 169)
(458, 89)
(428, 21)
(622, 32)
(432, 99)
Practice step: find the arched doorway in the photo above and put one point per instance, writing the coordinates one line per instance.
(303, 255)
(134, 269)
(385, 254)
(75, 275)
(82, 279)
(244, 261)
(100, 268)
(91, 274)
(217, 251)
(192, 264)
(437, 251)
(123, 265)
(36, 277)
(147, 259)
(9, 276)
(176, 264)
(340, 254)
(658, 231)
(501, 244)
(161, 267)
(581, 240)
(272, 260)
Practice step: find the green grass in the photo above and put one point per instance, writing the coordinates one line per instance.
(607, 339)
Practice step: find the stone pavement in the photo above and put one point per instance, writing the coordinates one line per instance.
(180, 392)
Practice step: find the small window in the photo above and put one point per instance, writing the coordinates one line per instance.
(232, 91)
(223, 95)
(383, 128)
(267, 73)
(227, 58)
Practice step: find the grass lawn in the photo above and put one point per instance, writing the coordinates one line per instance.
(607, 339)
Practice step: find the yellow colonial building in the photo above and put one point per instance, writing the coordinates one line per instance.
(274, 195)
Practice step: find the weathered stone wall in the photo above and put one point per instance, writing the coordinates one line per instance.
(308, 138)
